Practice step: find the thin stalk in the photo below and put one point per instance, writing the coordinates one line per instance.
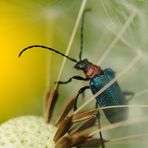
(95, 129)
(141, 92)
(48, 56)
(127, 138)
(124, 106)
(119, 35)
(120, 124)
(122, 39)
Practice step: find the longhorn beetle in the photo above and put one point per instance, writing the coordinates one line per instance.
(97, 78)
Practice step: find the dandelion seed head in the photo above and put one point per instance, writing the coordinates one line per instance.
(27, 131)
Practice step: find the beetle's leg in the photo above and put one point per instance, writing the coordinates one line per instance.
(99, 125)
(128, 95)
(70, 79)
(81, 90)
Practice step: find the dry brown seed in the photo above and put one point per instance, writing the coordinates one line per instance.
(70, 141)
(84, 116)
(64, 112)
(64, 142)
(50, 102)
(87, 124)
(63, 128)
(90, 143)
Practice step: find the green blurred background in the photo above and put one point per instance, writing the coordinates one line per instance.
(24, 82)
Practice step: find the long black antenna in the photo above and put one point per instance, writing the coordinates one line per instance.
(82, 32)
(48, 48)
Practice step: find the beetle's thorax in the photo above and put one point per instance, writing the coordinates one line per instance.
(89, 69)
(92, 70)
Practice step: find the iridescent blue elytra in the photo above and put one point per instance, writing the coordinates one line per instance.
(110, 97)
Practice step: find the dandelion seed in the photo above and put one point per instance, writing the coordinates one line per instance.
(27, 132)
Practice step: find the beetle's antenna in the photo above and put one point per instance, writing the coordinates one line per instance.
(82, 33)
(48, 48)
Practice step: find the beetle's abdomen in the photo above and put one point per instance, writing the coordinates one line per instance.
(110, 97)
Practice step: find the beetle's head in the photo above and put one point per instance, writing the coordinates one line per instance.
(89, 69)
(82, 64)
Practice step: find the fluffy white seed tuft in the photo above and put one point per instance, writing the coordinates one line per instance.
(27, 132)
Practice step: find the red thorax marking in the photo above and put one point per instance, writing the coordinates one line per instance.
(92, 70)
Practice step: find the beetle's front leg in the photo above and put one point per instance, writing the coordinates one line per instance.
(81, 90)
(70, 79)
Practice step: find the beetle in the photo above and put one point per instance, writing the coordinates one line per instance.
(97, 78)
